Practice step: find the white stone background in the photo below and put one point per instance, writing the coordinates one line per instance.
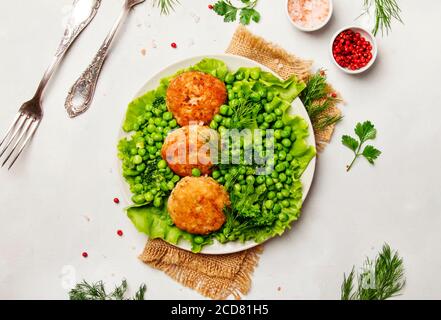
(57, 202)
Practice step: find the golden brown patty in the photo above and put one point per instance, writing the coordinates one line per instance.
(188, 148)
(196, 205)
(195, 96)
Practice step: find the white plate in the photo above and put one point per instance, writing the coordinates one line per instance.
(233, 63)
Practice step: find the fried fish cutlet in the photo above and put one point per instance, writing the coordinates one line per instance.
(195, 96)
(196, 205)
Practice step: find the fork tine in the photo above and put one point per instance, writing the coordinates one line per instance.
(18, 129)
(10, 128)
(26, 126)
(28, 137)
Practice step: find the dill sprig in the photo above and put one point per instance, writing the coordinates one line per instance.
(380, 279)
(96, 291)
(385, 12)
(165, 5)
(244, 115)
(317, 101)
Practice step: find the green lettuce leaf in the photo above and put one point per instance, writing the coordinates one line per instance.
(214, 67)
(156, 223)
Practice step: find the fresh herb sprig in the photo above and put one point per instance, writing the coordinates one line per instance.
(385, 12)
(165, 5)
(380, 279)
(244, 114)
(365, 131)
(96, 291)
(317, 100)
(247, 12)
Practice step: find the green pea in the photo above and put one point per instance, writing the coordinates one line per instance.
(142, 152)
(140, 167)
(163, 186)
(226, 122)
(277, 135)
(279, 186)
(240, 177)
(158, 122)
(250, 180)
(167, 116)
(148, 108)
(216, 174)
(138, 199)
(221, 180)
(214, 125)
(157, 202)
(157, 137)
(289, 157)
(268, 181)
(138, 179)
(133, 151)
(271, 195)
(261, 189)
(163, 124)
(170, 185)
(172, 123)
(162, 164)
(280, 167)
(237, 188)
(198, 240)
(269, 118)
(289, 172)
(255, 74)
(270, 96)
(218, 118)
(260, 179)
(224, 109)
(150, 141)
(285, 203)
(137, 188)
(274, 175)
(240, 76)
(269, 204)
(282, 177)
(148, 196)
(285, 193)
(229, 78)
(137, 159)
(269, 107)
(152, 149)
(195, 172)
(286, 143)
(255, 97)
(176, 178)
(278, 124)
(279, 195)
(230, 96)
(283, 217)
(278, 112)
(285, 134)
(277, 208)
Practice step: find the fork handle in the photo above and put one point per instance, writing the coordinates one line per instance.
(76, 24)
(82, 92)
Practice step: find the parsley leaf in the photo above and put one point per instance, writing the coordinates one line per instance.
(247, 13)
(371, 153)
(350, 142)
(365, 131)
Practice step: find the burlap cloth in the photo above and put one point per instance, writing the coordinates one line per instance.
(221, 276)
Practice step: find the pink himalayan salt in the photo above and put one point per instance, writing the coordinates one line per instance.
(308, 13)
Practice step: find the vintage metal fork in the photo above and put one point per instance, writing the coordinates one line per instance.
(81, 94)
(30, 114)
